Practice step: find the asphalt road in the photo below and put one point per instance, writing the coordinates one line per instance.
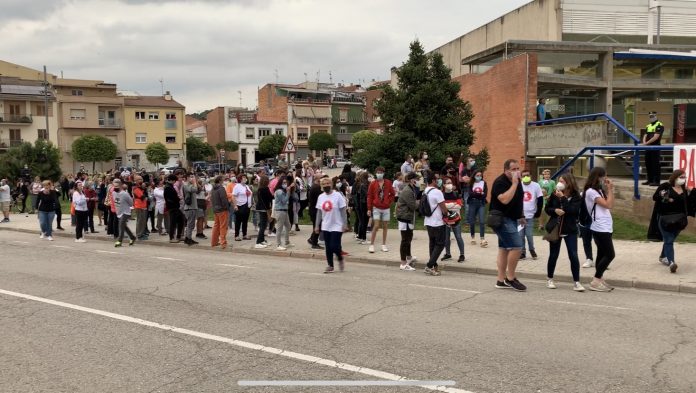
(92, 318)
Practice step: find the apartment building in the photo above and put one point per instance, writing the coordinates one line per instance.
(247, 130)
(151, 119)
(89, 107)
(24, 116)
(196, 128)
(347, 117)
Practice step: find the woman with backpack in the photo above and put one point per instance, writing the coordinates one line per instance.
(563, 206)
(673, 203)
(453, 202)
(599, 200)
(477, 207)
(406, 207)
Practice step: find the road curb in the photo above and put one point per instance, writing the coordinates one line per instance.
(457, 267)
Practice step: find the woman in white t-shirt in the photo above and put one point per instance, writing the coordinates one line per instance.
(242, 199)
(599, 200)
(80, 202)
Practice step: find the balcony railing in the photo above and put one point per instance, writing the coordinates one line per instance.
(350, 120)
(109, 123)
(19, 119)
(319, 101)
(7, 143)
(358, 100)
(170, 124)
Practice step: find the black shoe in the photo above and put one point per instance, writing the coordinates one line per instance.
(94, 232)
(192, 242)
(534, 254)
(461, 259)
(447, 257)
(201, 236)
(523, 256)
(516, 285)
(502, 285)
(645, 183)
(60, 228)
(187, 241)
(208, 226)
(297, 228)
(317, 247)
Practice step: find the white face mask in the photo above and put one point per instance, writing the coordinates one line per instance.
(560, 187)
(449, 187)
(681, 181)
(425, 156)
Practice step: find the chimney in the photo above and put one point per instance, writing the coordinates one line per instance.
(167, 95)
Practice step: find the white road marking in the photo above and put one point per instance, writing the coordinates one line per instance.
(19, 241)
(168, 259)
(592, 305)
(108, 252)
(444, 288)
(60, 246)
(230, 265)
(313, 274)
(346, 383)
(238, 343)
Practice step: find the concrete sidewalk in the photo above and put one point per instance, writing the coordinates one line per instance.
(636, 264)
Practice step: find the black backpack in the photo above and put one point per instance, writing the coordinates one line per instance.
(585, 218)
(424, 206)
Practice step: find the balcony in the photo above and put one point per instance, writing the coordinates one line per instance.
(109, 123)
(308, 101)
(16, 119)
(350, 120)
(8, 143)
(355, 100)
(170, 124)
(344, 138)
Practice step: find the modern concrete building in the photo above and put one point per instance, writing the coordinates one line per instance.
(151, 119)
(24, 116)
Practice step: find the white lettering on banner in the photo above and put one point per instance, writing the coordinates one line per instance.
(685, 159)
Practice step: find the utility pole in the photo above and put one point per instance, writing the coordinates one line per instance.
(46, 101)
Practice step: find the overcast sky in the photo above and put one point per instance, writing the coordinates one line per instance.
(207, 51)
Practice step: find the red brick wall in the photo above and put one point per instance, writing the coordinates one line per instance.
(498, 101)
(272, 107)
(216, 126)
(370, 112)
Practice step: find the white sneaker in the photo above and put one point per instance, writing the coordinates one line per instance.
(578, 287)
(411, 260)
(550, 284)
(407, 268)
(49, 238)
(265, 243)
(384, 248)
(42, 236)
(588, 263)
(281, 248)
(271, 235)
(664, 261)
(81, 240)
(371, 249)
(260, 245)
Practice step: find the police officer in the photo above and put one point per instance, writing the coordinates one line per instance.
(653, 134)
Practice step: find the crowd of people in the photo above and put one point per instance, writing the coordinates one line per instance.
(178, 205)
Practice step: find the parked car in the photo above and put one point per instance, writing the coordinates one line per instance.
(253, 167)
(168, 170)
(216, 169)
(199, 166)
(341, 162)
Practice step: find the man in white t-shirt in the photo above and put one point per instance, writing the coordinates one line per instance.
(5, 199)
(437, 234)
(332, 220)
(533, 205)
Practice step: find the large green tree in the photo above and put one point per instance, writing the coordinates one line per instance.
(424, 113)
(271, 145)
(320, 141)
(42, 158)
(227, 146)
(93, 148)
(362, 139)
(197, 150)
(157, 153)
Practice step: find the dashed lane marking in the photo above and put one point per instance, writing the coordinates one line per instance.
(230, 265)
(591, 305)
(444, 288)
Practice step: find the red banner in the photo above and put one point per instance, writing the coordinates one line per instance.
(685, 159)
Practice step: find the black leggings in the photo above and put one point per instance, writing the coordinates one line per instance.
(81, 223)
(241, 220)
(362, 222)
(406, 239)
(605, 251)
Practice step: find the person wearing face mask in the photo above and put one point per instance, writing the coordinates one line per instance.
(476, 203)
(599, 200)
(407, 166)
(380, 196)
(533, 206)
(507, 201)
(423, 164)
(548, 187)
(564, 205)
(453, 203)
(282, 194)
(405, 213)
(190, 190)
(653, 134)
(332, 221)
(80, 202)
(242, 200)
(674, 201)
(466, 171)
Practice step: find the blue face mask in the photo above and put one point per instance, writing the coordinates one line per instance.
(439, 183)
(478, 178)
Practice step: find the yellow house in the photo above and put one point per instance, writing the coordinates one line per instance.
(151, 119)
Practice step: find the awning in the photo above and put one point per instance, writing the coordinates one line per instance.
(647, 54)
(322, 112)
(303, 112)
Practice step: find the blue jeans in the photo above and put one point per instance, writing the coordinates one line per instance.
(332, 245)
(571, 242)
(586, 235)
(477, 208)
(46, 222)
(230, 219)
(668, 239)
(508, 236)
(457, 229)
(528, 233)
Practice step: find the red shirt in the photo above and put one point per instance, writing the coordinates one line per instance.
(380, 196)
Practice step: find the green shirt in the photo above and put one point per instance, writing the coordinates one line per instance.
(547, 187)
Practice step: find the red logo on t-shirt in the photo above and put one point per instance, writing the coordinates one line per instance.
(327, 206)
(527, 196)
(478, 190)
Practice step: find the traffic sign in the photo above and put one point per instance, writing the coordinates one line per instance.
(289, 146)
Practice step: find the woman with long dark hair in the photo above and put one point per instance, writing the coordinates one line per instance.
(564, 205)
(599, 200)
(673, 202)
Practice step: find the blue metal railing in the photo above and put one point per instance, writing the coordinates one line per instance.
(636, 147)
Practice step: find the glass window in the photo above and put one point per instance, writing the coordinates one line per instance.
(571, 64)
(139, 115)
(279, 131)
(250, 133)
(170, 138)
(302, 134)
(140, 138)
(77, 114)
(264, 132)
(153, 116)
(43, 134)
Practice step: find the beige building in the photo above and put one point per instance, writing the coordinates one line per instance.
(151, 119)
(24, 116)
(89, 107)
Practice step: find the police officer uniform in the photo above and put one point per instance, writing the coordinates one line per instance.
(653, 130)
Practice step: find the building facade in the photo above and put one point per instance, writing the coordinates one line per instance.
(24, 115)
(247, 130)
(151, 119)
(348, 117)
(196, 128)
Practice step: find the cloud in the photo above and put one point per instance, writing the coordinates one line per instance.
(208, 50)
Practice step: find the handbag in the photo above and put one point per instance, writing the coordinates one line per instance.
(554, 234)
(675, 221)
(495, 219)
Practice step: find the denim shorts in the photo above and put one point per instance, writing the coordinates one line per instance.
(383, 215)
(508, 236)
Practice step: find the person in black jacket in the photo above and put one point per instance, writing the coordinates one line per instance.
(313, 196)
(172, 206)
(360, 206)
(264, 203)
(564, 206)
(674, 201)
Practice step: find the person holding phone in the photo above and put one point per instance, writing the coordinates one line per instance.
(599, 200)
